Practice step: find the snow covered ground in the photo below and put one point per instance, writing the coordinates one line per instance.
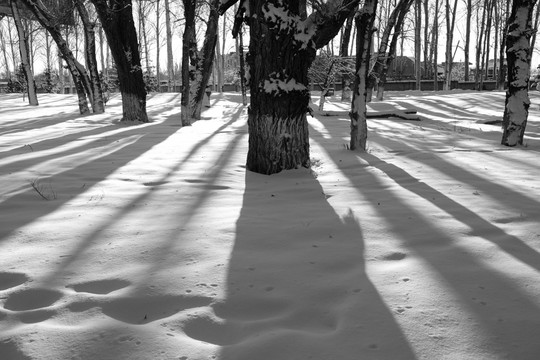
(153, 242)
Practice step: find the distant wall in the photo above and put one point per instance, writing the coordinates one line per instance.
(426, 85)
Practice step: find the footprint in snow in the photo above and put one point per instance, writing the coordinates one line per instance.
(100, 287)
(10, 280)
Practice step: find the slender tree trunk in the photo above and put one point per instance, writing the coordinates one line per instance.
(242, 67)
(467, 38)
(218, 66)
(435, 47)
(364, 24)
(518, 49)
(96, 92)
(535, 27)
(485, 55)
(170, 61)
(222, 60)
(101, 54)
(344, 52)
(3, 43)
(204, 61)
(479, 42)
(119, 29)
(12, 43)
(497, 21)
(47, 50)
(158, 47)
(387, 52)
(187, 40)
(427, 65)
(143, 13)
(502, 48)
(25, 55)
(450, 22)
(418, 43)
(78, 72)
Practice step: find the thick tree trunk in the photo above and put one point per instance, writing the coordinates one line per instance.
(119, 29)
(364, 24)
(282, 47)
(518, 49)
(96, 92)
(278, 129)
(204, 61)
(25, 55)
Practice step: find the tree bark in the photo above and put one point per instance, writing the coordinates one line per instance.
(387, 52)
(204, 61)
(96, 92)
(170, 61)
(25, 55)
(242, 67)
(502, 76)
(435, 44)
(418, 43)
(282, 47)
(78, 72)
(119, 29)
(364, 24)
(344, 52)
(518, 49)
(187, 44)
(467, 38)
(158, 47)
(450, 22)
(3, 43)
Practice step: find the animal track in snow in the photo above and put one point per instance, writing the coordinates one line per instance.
(100, 286)
(11, 279)
(32, 299)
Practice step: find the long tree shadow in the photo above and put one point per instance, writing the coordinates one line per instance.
(99, 167)
(296, 283)
(199, 195)
(468, 281)
(37, 151)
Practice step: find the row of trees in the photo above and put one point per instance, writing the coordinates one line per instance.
(284, 39)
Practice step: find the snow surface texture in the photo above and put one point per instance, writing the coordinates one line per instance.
(156, 243)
